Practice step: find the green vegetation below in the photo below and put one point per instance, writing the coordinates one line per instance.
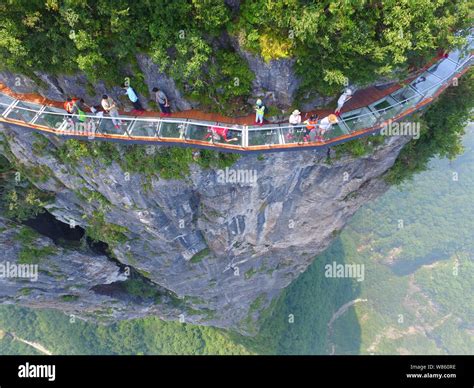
(200, 255)
(100, 230)
(63, 335)
(29, 253)
(151, 161)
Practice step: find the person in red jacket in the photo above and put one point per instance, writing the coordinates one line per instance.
(70, 108)
(218, 133)
(69, 104)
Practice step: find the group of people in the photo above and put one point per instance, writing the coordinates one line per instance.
(160, 98)
(312, 126)
(315, 126)
(76, 107)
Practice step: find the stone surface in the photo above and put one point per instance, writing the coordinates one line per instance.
(274, 81)
(260, 236)
(153, 77)
(59, 87)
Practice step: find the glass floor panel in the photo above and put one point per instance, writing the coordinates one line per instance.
(51, 120)
(24, 115)
(234, 133)
(264, 136)
(200, 132)
(145, 128)
(460, 55)
(293, 134)
(5, 101)
(106, 126)
(386, 108)
(336, 130)
(407, 97)
(358, 119)
(427, 84)
(443, 69)
(172, 129)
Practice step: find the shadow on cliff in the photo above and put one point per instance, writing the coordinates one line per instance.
(299, 322)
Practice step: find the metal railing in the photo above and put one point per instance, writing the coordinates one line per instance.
(240, 137)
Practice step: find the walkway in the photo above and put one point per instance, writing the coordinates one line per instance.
(366, 113)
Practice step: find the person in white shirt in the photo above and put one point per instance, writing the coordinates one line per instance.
(295, 118)
(110, 107)
(326, 124)
(346, 96)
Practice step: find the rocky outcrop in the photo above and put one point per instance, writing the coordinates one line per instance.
(224, 242)
(155, 78)
(59, 87)
(81, 283)
(274, 81)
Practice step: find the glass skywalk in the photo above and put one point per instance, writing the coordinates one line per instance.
(352, 123)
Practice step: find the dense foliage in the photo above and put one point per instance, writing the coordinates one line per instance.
(333, 42)
(61, 335)
(356, 41)
(101, 38)
(150, 161)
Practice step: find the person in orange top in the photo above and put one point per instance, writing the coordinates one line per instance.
(310, 126)
(69, 107)
(69, 104)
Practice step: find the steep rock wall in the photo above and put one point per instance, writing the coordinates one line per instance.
(225, 249)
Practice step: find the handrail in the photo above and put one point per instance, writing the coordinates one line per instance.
(237, 127)
(421, 96)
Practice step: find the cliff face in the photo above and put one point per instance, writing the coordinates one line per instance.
(275, 81)
(59, 87)
(223, 243)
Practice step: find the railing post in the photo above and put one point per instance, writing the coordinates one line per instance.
(157, 128)
(131, 125)
(183, 128)
(245, 136)
(38, 114)
(281, 137)
(10, 108)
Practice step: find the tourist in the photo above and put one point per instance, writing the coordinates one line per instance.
(78, 108)
(310, 126)
(219, 133)
(326, 124)
(259, 111)
(132, 96)
(295, 118)
(110, 107)
(162, 101)
(346, 96)
(69, 108)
